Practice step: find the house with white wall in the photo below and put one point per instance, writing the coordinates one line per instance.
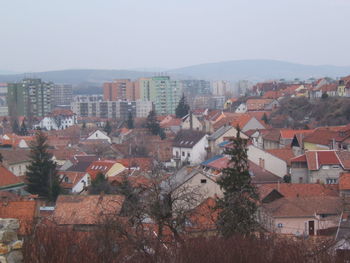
(267, 161)
(99, 135)
(190, 147)
(58, 120)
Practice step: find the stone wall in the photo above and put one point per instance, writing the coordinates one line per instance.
(10, 246)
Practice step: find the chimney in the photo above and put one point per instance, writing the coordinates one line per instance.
(191, 121)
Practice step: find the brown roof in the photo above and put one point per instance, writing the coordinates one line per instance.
(304, 206)
(86, 210)
(187, 138)
(257, 104)
(344, 181)
(271, 134)
(285, 154)
(11, 156)
(299, 190)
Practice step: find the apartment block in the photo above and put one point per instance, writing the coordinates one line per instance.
(3, 99)
(30, 97)
(162, 91)
(61, 94)
(120, 89)
(111, 109)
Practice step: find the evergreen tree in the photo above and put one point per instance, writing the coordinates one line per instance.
(23, 130)
(130, 121)
(237, 208)
(182, 108)
(108, 128)
(265, 119)
(152, 123)
(162, 133)
(42, 173)
(15, 127)
(100, 184)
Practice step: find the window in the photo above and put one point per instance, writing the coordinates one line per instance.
(331, 181)
(280, 225)
(300, 180)
(203, 181)
(188, 155)
(183, 153)
(66, 179)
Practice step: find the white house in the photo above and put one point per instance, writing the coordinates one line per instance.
(190, 121)
(75, 182)
(99, 135)
(58, 120)
(190, 147)
(267, 161)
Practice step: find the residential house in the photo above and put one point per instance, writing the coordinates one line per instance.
(319, 166)
(16, 161)
(190, 147)
(59, 119)
(301, 216)
(74, 182)
(344, 184)
(99, 135)
(191, 122)
(219, 136)
(106, 167)
(261, 104)
(325, 138)
(268, 161)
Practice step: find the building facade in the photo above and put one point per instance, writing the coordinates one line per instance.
(61, 94)
(112, 109)
(120, 89)
(30, 97)
(162, 91)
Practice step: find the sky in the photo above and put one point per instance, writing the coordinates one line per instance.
(42, 35)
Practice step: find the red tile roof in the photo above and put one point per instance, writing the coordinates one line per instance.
(285, 154)
(289, 134)
(315, 159)
(97, 167)
(86, 210)
(257, 104)
(145, 164)
(299, 190)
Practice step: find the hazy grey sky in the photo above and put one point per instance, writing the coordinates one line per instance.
(38, 35)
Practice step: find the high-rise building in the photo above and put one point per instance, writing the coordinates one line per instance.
(61, 94)
(30, 97)
(221, 88)
(162, 91)
(111, 109)
(3, 99)
(196, 86)
(120, 89)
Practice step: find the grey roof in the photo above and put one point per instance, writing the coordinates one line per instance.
(187, 138)
(221, 131)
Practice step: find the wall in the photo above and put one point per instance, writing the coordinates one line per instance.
(272, 163)
(10, 246)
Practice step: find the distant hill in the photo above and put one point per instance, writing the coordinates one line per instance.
(258, 70)
(78, 76)
(254, 70)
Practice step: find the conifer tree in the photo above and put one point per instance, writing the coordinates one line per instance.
(23, 130)
(182, 108)
(130, 121)
(152, 123)
(237, 208)
(265, 119)
(108, 128)
(42, 173)
(15, 127)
